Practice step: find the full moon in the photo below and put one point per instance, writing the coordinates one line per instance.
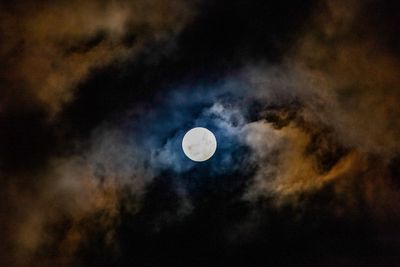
(199, 144)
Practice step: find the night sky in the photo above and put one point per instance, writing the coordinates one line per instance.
(302, 96)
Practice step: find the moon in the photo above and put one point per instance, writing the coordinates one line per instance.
(199, 144)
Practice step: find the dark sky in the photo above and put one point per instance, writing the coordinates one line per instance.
(301, 95)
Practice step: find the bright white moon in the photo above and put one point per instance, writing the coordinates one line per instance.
(199, 144)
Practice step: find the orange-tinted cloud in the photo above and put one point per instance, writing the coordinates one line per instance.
(348, 85)
(47, 49)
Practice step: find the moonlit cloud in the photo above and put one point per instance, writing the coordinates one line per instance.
(340, 119)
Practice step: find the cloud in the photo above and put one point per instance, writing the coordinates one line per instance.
(49, 48)
(360, 74)
(323, 123)
(83, 193)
